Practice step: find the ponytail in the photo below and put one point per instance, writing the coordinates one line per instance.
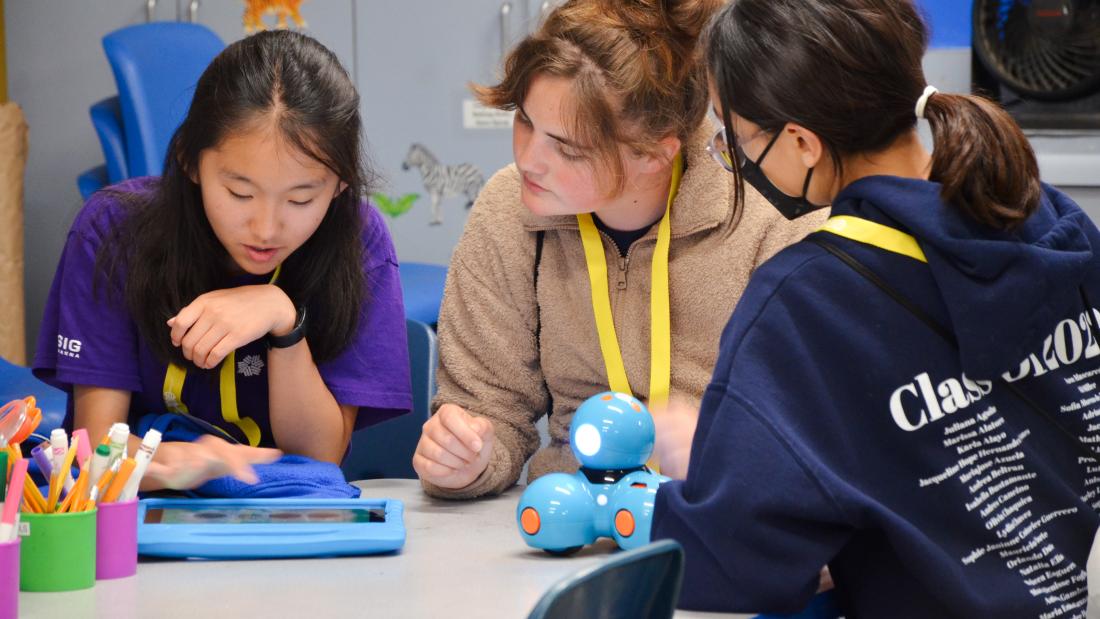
(983, 160)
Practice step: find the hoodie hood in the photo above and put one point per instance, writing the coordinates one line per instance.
(1002, 290)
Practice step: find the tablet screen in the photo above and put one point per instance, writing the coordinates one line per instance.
(253, 515)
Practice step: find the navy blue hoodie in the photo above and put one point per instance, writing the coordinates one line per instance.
(840, 429)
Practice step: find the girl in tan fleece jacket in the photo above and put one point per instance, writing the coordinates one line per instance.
(610, 101)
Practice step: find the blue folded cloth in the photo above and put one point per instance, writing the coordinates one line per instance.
(290, 476)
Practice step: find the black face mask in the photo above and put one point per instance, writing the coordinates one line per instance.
(789, 207)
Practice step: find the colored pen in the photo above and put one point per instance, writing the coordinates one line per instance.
(84, 449)
(11, 501)
(3, 473)
(117, 438)
(145, 453)
(119, 482)
(41, 455)
(100, 460)
(59, 446)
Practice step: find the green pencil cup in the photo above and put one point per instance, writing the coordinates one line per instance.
(57, 551)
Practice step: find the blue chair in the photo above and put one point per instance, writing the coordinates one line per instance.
(422, 290)
(156, 67)
(91, 181)
(385, 450)
(644, 582)
(17, 382)
(107, 120)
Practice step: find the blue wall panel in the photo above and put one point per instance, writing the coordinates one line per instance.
(949, 21)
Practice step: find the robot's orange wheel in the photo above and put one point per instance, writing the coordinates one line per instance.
(530, 521)
(624, 523)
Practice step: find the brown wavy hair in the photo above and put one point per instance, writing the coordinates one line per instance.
(636, 67)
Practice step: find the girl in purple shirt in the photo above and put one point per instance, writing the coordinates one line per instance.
(247, 287)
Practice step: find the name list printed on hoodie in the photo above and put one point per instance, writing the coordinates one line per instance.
(993, 468)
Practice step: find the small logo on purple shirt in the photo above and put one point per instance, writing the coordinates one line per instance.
(68, 347)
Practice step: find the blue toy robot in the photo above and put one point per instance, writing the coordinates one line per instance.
(612, 494)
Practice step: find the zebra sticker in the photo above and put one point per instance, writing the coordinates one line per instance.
(443, 181)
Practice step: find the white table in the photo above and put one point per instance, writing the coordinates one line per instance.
(460, 560)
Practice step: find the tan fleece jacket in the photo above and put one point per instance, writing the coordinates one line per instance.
(490, 363)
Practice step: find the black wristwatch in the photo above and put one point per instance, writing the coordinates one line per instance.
(296, 334)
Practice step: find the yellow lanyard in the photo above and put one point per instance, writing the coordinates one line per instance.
(173, 391)
(876, 234)
(660, 364)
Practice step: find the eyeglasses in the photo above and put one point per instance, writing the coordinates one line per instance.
(720, 150)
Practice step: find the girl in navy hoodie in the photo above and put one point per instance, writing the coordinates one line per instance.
(910, 395)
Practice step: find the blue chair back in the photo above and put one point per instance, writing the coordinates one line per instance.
(91, 181)
(107, 120)
(17, 382)
(385, 450)
(156, 67)
(422, 290)
(644, 582)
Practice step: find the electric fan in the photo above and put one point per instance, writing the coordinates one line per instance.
(1040, 59)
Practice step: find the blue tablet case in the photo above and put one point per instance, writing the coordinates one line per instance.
(269, 528)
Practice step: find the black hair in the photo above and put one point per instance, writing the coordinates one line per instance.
(166, 245)
(850, 71)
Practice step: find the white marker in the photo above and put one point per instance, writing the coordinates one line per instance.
(144, 454)
(59, 445)
(100, 461)
(116, 440)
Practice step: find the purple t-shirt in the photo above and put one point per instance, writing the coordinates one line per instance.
(91, 339)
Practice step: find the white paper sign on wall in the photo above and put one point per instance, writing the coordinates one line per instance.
(477, 116)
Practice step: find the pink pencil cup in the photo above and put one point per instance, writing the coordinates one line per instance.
(9, 579)
(116, 540)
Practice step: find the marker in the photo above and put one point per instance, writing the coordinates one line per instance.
(100, 461)
(84, 447)
(117, 438)
(59, 446)
(41, 455)
(145, 453)
(3, 472)
(11, 501)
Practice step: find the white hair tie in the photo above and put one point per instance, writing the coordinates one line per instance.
(923, 101)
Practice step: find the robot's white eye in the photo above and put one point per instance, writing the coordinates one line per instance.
(587, 439)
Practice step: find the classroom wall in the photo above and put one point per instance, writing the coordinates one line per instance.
(3, 59)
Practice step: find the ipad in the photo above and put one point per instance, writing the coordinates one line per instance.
(269, 528)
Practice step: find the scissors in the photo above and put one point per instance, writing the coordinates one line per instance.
(18, 419)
